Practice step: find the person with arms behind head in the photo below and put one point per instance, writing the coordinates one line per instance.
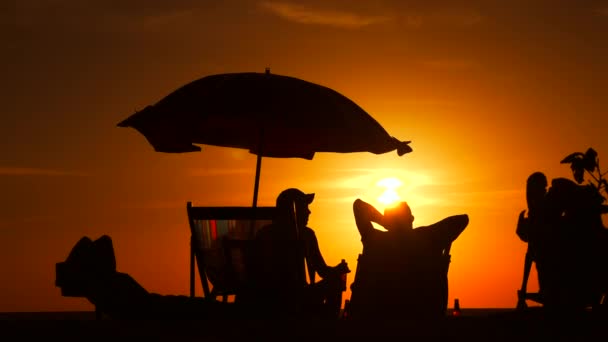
(402, 270)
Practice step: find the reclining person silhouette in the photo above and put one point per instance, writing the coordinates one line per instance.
(402, 271)
(90, 271)
(284, 250)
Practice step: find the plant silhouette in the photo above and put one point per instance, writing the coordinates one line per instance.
(588, 163)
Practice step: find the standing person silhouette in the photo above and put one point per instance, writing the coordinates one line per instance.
(529, 227)
(284, 250)
(402, 268)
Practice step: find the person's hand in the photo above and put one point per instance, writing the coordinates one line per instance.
(342, 267)
(370, 211)
(522, 215)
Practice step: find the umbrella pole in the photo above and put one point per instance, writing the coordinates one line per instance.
(258, 167)
(256, 185)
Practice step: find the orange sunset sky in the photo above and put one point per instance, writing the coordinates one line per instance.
(488, 92)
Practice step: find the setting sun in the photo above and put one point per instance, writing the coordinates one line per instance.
(389, 196)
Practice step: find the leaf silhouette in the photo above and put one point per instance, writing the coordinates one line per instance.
(578, 170)
(590, 160)
(579, 175)
(572, 157)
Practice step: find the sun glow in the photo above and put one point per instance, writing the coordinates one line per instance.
(389, 196)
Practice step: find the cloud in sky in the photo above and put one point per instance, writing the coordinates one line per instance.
(431, 188)
(153, 15)
(442, 17)
(448, 64)
(129, 16)
(32, 171)
(365, 183)
(168, 19)
(206, 172)
(412, 18)
(361, 177)
(158, 204)
(306, 15)
(7, 223)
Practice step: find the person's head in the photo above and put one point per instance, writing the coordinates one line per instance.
(536, 189)
(292, 206)
(398, 217)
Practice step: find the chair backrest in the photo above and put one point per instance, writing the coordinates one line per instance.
(220, 241)
(368, 295)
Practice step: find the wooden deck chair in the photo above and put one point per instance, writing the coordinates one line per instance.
(221, 239)
(358, 304)
(446, 258)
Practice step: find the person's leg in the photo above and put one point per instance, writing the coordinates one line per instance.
(333, 296)
(324, 298)
(122, 297)
(72, 275)
(81, 252)
(119, 296)
(90, 271)
(521, 294)
(105, 260)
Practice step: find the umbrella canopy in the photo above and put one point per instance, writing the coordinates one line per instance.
(270, 115)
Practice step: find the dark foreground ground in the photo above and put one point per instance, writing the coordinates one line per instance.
(472, 325)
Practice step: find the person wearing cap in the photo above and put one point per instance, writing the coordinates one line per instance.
(285, 249)
(402, 267)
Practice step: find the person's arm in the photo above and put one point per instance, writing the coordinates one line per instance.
(365, 214)
(315, 258)
(523, 227)
(313, 254)
(447, 230)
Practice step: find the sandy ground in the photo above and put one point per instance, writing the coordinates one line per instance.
(472, 325)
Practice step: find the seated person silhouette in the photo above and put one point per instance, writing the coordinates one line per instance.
(90, 271)
(284, 249)
(402, 272)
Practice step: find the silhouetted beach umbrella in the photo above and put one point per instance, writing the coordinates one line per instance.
(270, 115)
